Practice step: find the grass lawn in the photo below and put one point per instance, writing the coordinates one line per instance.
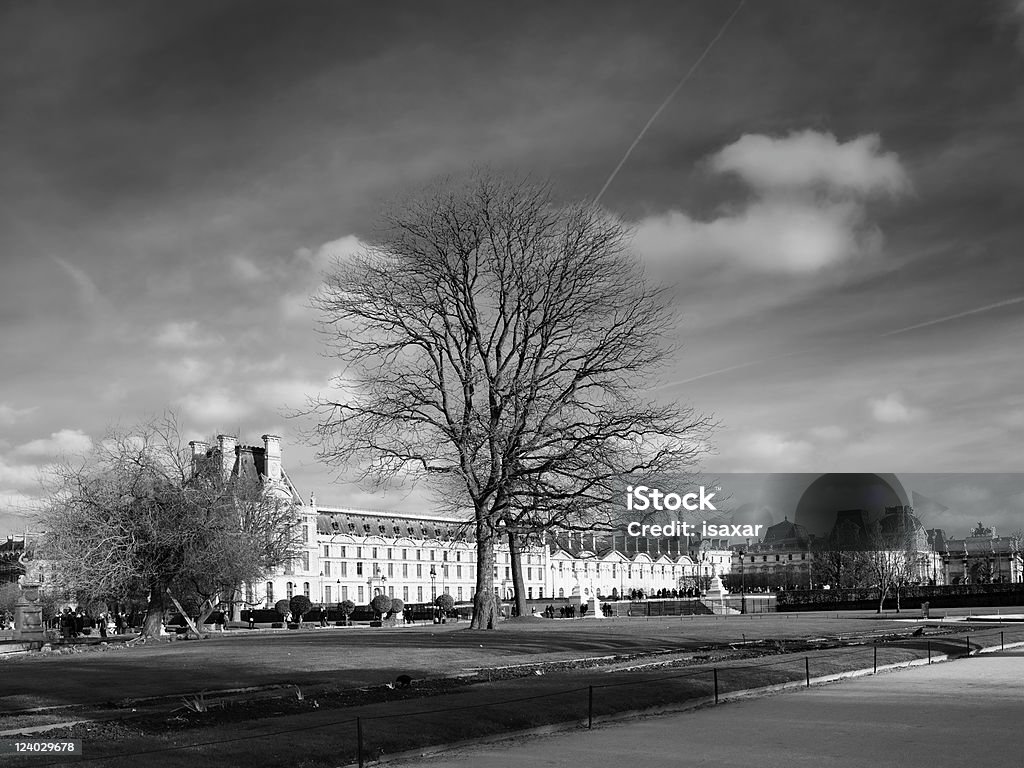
(326, 735)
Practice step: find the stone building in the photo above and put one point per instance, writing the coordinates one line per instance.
(983, 557)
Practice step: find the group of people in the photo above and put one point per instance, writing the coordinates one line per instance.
(73, 624)
(565, 611)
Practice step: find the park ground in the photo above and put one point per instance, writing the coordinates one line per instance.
(297, 694)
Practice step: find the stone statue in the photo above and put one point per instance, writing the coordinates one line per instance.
(31, 568)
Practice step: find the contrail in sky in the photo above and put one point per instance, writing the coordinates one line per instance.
(665, 103)
(936, 321)
(927, 323)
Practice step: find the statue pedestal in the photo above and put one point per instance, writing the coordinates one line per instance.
(717, 590)
(28, 615)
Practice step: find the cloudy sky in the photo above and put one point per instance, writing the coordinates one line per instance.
(836, 194)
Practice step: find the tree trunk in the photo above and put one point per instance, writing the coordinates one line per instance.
(154, 612)
(518, 588)
(485, 610)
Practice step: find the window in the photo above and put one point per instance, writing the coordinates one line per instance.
(341, 553)
(359, 551)
(458, 571)
(389, 553)
(391, 569)
(458, 557)
(289, 592)
(305, 588)
(405, 594)
(529, 593)
(419, 570)
(405, 570)
(270, 593)
(359, 571)
(419, 594)
(327, 594)
(344, 593)
(327, 550)
(460, 594)
(344, 569)
(327, 567)
(361, 595)
(419, 555)
(431, 554)
(374, 553)
(405, 554)
(444, 556)
(305, 561)
(305, 534)
(508, 572)
(391, 592)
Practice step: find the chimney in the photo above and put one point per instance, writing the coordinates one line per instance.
(272, 456)
(199, 449)
(226, 445)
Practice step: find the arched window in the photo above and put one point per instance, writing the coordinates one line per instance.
(289, 590)
(305, 588)
(270, 593)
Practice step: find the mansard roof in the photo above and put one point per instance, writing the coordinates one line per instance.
(391, 525)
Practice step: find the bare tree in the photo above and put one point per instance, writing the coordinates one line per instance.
(136, 518)
(493, 337)
(888, 562)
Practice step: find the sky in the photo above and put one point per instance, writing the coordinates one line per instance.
(834, 194)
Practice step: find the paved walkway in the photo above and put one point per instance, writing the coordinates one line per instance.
(967, 711)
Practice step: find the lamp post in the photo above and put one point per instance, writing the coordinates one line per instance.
(433, 594)
(743, 584)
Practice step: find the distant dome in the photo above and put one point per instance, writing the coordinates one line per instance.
(833, 493)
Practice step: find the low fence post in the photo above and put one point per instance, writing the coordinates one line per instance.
(875, 670)
(929, 651)
(1002, 645)
(590, 707)
(715, 671)
(807, 670)
(359, 741)
(967, 642)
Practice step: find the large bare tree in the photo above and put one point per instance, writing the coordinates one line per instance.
(500, 343)
(138, 517)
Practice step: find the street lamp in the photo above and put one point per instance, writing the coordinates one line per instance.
(433, 593)
(743, 584)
